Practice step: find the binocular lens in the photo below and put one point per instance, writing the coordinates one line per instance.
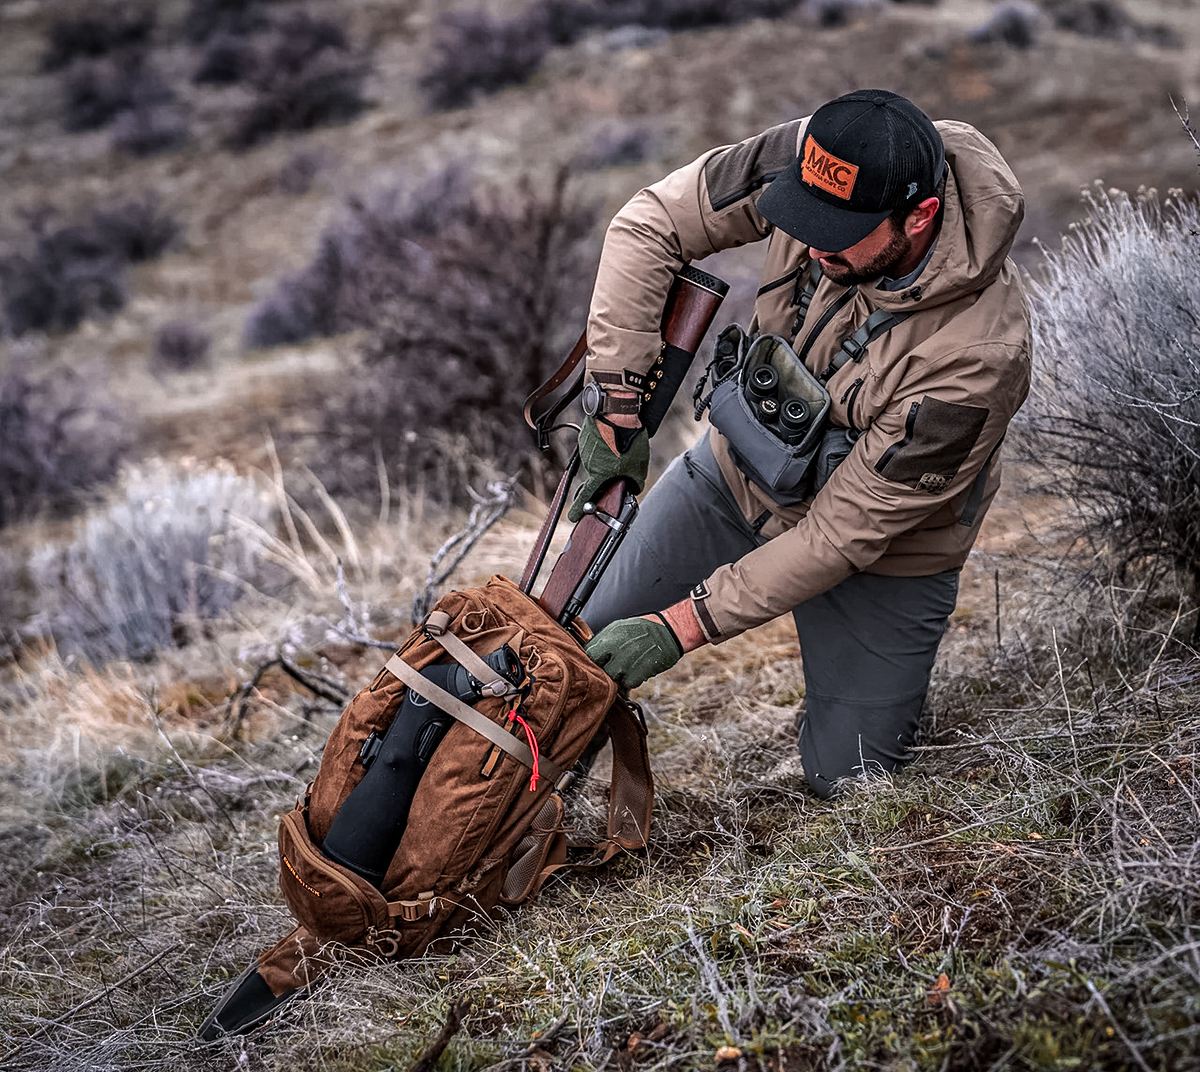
(794, 415)
(762, 382)
(724, 367)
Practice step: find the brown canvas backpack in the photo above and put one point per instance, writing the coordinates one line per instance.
(485, 828)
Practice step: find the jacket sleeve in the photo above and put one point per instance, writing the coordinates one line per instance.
(706, 206)
(921, 454)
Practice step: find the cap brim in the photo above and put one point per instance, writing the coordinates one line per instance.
(792, 207)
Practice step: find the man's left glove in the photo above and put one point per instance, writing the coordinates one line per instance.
(600, 463)
(631, 650)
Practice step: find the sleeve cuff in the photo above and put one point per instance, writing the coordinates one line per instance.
(700, 596)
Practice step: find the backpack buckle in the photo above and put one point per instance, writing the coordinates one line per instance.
(855, 349)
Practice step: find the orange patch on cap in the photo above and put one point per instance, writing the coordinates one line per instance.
(825, 171)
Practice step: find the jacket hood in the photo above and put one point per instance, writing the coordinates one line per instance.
(983, 211)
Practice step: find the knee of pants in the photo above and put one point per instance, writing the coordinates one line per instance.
(844, 740)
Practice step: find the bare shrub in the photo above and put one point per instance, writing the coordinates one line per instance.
(59, 436)
(468, 299)
(141, 575)
(1114, 416)
(1107, 19)
(53, 276)
(91, 36)
(308, 77)
(148, 130)
(138, 229)
(227, 58)
(205, 18)
(60, 276)
(477, 53)
(1014, 23)
(95, 92)
(296, 177)
(180, 345)
(618, 144)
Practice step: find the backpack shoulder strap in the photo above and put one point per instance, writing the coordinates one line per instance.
(631, 795)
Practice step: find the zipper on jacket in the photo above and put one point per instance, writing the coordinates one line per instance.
(851, 393)
(823, 323)
(766, 288)
(895, 448)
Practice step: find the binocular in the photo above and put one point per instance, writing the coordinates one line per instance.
(788, 418)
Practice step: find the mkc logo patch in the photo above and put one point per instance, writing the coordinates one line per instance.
(824, 170)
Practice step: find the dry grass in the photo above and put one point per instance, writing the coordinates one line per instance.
(1024, 896)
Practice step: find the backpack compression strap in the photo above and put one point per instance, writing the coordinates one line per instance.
(481, 724)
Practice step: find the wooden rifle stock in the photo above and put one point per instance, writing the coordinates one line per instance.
(691, 304)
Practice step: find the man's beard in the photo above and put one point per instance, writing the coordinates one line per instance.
(883, 264)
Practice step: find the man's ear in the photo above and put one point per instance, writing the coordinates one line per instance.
(921, 218)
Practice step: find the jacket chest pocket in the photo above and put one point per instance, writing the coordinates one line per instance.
(856, 397)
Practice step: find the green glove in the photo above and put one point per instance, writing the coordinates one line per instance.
(631, 650)
(600, 464)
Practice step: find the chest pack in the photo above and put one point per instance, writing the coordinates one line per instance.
(439, 799)
(774, 412)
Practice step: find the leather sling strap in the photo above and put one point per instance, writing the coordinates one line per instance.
(481, 724)
(541, 419)
(546, 533)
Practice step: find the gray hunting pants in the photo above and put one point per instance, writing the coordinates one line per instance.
(868, 644)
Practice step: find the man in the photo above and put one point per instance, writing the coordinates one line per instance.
(910, 224)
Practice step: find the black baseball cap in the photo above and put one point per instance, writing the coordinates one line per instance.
(864, 155)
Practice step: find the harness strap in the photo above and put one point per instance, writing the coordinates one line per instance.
(854, 347)
(802, 296)
(481, 724)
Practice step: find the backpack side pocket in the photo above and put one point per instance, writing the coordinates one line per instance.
(330, 901)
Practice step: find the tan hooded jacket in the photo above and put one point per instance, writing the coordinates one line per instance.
(932, 397)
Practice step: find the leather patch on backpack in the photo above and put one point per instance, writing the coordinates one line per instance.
(938, 437)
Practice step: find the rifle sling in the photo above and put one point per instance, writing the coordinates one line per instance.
(541, 420)
(481, 724)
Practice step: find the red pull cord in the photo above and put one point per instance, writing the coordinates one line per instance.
(533, 747)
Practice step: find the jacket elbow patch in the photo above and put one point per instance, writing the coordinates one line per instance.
(938, 437)
(739, 171)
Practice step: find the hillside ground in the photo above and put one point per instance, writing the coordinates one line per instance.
(1022, 897)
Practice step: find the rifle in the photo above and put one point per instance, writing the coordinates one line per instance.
(691, 304)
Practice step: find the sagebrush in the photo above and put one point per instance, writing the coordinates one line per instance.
(475, 52)
(61, 435)
(1113, 420)
(54, 274)
(174, 550)
(468, 297)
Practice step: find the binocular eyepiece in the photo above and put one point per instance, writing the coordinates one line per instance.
(726, 359)
(468, 689)
(788, 419)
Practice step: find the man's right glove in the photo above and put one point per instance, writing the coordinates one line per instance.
(600, 463)
(632, 650)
